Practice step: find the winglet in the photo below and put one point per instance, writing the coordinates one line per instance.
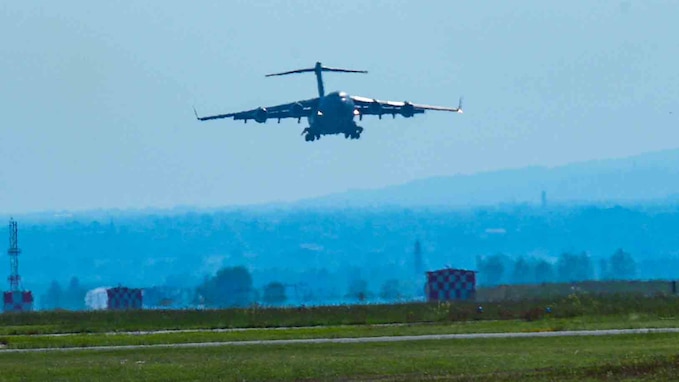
(196, 113)
(459, 106)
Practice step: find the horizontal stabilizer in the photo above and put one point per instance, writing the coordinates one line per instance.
(290, 72)
(318, 68)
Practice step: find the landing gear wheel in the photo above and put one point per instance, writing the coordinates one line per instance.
(309, 137)
(356, 134)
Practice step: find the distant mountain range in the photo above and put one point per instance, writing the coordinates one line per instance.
(642, 178)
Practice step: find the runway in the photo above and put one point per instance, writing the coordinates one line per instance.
(355, 340)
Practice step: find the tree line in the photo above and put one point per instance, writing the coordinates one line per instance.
(233, 286)
(569, 267)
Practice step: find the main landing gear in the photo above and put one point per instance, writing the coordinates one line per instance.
(309, 135)
(353, 134)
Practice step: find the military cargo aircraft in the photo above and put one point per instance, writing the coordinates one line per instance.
(331, 113)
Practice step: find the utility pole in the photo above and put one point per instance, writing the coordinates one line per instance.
(418, 258)
(543, 199)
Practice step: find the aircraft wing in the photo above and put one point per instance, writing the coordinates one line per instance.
(297, 110)
(371, 106)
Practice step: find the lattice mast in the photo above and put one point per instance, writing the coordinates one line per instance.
(418, 263)
(13, 252)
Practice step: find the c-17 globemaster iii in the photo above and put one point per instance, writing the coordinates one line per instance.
(332, 113)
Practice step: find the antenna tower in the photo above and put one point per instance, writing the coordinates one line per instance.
(13, 253)
(418, 258)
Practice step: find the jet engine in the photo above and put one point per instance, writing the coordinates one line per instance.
(260, 115)
(408, 110)
(296, 110)
(376, 108)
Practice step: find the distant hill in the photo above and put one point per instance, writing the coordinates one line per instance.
(327, 248)
(647, 177)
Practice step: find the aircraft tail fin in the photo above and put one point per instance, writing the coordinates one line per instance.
(318, 69)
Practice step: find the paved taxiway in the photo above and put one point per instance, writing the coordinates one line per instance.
(430, 337)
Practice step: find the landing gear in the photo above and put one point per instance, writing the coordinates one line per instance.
(309, 135)
(353, 134)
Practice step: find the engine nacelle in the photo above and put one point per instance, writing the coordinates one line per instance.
(408, 110)
(376, 108)
(296, 110)
(260, 115)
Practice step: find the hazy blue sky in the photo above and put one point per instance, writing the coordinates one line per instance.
(97, 97)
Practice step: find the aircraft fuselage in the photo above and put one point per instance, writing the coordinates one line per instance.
(334, 115)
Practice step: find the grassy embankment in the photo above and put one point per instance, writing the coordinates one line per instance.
(575, 305)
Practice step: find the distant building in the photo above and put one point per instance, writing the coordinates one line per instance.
(450, 285)
(18, 301)
(118, 298)
(96, 299)
(121, 298)
(543, 199)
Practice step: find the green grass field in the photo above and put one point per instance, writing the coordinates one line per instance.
(638, 357)
(624, 357)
